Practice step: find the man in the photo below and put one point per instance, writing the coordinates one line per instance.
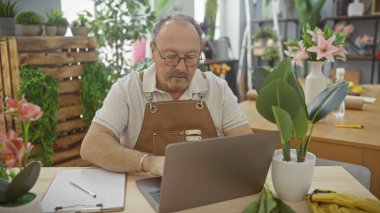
(167, 103)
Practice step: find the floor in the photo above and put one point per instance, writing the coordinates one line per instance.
(361, 173)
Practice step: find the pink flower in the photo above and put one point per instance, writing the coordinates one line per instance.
(12, 149)
(13, 105)
(30, 112)
(341, 53)
(315, 34)
(324, 48)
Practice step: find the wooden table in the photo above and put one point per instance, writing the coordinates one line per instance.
(325, 177)
(358, 146)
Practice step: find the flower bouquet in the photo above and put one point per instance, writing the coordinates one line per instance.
(317, 45)
(14, 152)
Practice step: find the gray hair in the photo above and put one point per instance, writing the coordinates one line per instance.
(177, 16)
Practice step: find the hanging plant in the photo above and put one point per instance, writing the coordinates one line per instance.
(95, 85)
(41, 89)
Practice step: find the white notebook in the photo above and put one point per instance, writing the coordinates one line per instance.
(96, 190)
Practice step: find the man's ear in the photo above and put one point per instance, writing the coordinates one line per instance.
(151, 44)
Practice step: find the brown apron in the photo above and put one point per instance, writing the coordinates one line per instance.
(168, 122)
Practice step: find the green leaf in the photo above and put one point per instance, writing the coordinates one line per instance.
(328, 100)
(3, 188)
(284, 123)
(253, 207)
(259, 77)
(300, 123)
(23, 181)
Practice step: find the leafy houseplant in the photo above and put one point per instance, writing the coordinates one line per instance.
(94, 89)
(116, 25)
(56, 18)
(8, 11)
(307, 12)
(41, 89)
(30, 23)
(281, 101)
(78, 26)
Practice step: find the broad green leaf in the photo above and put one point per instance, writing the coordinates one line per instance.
(23, 181)
(259, 77)
(253, 207)
(300, 123)
(328, 100)
(277, 93)
(284, 123)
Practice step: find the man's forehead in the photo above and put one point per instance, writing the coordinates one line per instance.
(177, 29)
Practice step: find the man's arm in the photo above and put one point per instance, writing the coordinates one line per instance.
(101, 148)
(241, 130)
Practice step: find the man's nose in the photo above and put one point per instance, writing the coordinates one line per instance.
(181, 64)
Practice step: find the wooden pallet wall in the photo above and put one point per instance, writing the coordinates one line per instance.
(63, 59)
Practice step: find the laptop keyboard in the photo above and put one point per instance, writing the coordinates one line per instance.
(156, 195)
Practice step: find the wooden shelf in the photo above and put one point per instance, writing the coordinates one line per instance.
(344, 18)
(271, 20)
(359, 57)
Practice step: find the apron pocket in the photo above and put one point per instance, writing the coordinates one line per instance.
(163, 138)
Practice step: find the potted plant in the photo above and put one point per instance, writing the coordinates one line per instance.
(14, 151)
(262, 38)
(56, 18)
(8, 11)
(30, 23)
(50, 26)
(78, 26)
(281, 101)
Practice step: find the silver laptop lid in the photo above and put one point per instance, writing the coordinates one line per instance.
(215, 169)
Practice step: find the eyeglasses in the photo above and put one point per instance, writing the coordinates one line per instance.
(173, 60)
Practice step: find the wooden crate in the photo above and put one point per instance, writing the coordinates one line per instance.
(63, 59)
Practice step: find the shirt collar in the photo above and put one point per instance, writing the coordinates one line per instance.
(197, 85)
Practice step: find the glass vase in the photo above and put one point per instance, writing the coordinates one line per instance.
(315, 81)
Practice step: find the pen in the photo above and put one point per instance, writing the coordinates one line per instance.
(83, 189)
(355, 126)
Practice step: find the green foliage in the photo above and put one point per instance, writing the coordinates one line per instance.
(41, 89)
(117, 24)
(81, 20)
(56, 18)
(164, 7)
(270, 53)
(308, 13)
(268, 202)
(94, 89)
(264, 33)
(29, 17)
(8, 9)
(210, 18)
(16, 192)
(281, 101)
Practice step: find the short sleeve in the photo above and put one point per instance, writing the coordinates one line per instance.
(114, 113)
(233, 117)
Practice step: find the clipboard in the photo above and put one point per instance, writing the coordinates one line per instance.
(108, 187)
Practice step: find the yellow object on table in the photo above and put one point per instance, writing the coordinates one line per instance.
(325, 201)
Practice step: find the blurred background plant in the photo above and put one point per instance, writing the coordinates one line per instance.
(307, 12)
(208, 24)
(8, 8)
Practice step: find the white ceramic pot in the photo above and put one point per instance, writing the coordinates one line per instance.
(33, 206)
(292, 180)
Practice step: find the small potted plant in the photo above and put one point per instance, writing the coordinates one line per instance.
(14, 151)
(55, 18)
(262, 38)
(78, 26)
(281, 101)
(8, 11)
(30, 23)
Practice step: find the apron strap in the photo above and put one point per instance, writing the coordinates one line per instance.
(149, 95)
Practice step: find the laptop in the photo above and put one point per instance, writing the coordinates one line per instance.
(211, 170)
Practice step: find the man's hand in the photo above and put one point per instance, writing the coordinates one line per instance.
(154, 164)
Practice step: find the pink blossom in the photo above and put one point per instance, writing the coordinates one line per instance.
(30, 112)
(13, 149)
(324, 48)
(315, 34)
(13, 105)
(300, 55)
(341, 53)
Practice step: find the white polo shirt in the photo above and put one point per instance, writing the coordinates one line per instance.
(123, 108)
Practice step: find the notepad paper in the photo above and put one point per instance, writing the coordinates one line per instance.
(109, 188)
